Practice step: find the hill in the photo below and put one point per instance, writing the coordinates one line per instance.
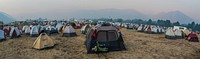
(6, 18)
(175, 16)
(130, 14)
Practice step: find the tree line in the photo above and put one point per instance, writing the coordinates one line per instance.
(165, 23)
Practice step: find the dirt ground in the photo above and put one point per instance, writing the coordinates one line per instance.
(139, 46)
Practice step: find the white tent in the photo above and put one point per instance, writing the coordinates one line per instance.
(170, 34)
(42, 28)
(34, 31)
(24, 28)
(58, 26)
(154, 29)
(140, 28)
(14, 33)
(130, 26)
(27, 30)
(161, 30)
(84, 29)
(77, 24)
(69, 31)
(51, 30)
(178, 33)
(186, 32)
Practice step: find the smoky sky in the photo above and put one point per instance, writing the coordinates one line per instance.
(33, 8)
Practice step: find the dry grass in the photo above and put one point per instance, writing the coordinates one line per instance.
(139, 46)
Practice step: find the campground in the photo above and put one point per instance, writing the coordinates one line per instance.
(139, 46)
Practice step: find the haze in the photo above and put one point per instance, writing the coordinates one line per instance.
(55, 8)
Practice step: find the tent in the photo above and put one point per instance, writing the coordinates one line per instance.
(161, 30)
(179, 34)
(130, 26)
(24, 28)
(85, 28)
(117, 25)
(124, 25)
(155, 30)
(76, 25)
(192, 37)
(2, 35)
(145, 28)
(68, 31)
(104, 39)
(149, 29)
(170, 34)
(42, 29)
(51, 30)
(20, 28)
(59, 27)
(1, 25)
(43, 41)
(27, 31)
(14, 32)
(6, 30)
(140, 28)
(34, 31)
(186, 32)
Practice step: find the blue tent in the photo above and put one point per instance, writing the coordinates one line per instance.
(2, 35)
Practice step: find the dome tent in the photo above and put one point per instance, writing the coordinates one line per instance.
(2, 35)
(186, 32)
(34, 31)
(26, 30)
(51, 30)
(68, 31)
(14, 32)
(179, 34)
(140, 28)
(192, 37)
(85, 28)
(170, 34)
(104, 39)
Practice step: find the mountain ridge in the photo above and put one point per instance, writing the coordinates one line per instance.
(131, 13)
(8, 18)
